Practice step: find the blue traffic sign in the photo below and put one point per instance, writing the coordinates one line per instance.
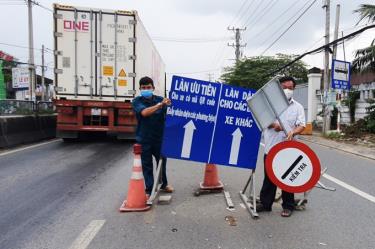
(211, 123)
(340, 75)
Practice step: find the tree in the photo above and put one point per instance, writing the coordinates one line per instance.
(365, 58)
(366, 11)
(254, 72)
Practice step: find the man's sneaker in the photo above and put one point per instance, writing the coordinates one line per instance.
(168, 189)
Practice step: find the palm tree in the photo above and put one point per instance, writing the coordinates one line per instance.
(365, 58)
(366, 11)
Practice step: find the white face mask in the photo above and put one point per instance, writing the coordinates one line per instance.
(288, 93)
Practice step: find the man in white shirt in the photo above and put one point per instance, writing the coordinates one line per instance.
(293, 119)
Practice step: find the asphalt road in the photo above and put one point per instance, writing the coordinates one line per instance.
(56, 195)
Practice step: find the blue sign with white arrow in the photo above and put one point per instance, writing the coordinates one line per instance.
(237, 137)
(190, 119)
(211, 123)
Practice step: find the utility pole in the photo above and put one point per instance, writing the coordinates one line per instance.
(237, 45)
(31, 51)
(334, 54)
(326, 111)
(336, 34)
(43, 84)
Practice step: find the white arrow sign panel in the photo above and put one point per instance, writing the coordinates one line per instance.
(235, 148)
(188, 139)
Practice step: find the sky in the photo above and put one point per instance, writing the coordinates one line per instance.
(192, 36)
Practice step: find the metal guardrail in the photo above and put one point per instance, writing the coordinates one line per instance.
(25, 107)
(45, 107)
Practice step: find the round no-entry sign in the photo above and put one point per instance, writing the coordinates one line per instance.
(293, 166)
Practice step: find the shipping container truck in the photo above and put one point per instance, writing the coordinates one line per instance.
(100, 55)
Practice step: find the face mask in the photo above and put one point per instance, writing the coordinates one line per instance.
(288, 93)
(147, 93)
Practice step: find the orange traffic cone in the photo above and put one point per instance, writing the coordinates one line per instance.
(136, 192)
(211, 179)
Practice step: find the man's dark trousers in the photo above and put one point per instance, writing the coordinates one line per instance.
(268, 193)
(148, 151)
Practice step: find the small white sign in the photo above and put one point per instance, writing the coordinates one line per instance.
(20, 78)
(341, 70)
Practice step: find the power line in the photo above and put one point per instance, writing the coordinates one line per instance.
(220, 52)
(254, 11)
(41, 6)
(277, 18)
(324, 47)
(12, 3)
(282, 25)
(205, 71)
(282, 34)
(261, 13)
(26, 63)
(246, 10)
(239, 11)
(190, 40)
(25, 47)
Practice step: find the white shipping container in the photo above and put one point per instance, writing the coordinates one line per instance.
(102, 54)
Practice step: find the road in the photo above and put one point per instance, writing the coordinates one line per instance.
(59, 195)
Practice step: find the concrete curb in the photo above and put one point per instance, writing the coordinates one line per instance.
(339, 149)
(26, 129)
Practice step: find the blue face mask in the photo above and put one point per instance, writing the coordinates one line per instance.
(147, 93)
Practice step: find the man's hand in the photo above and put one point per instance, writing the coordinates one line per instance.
(290, 136)
(166, 101)
(277, 127)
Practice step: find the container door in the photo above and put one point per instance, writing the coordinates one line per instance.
(75, 41)
(115, 64)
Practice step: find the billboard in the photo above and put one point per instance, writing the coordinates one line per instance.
(20, 78)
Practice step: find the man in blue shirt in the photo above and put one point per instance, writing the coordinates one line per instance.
(150, 111)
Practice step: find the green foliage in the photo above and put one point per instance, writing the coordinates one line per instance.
(351, 101)
(254, 72)
(370, 118)
(365, 58)
(333, 135)
(366, 11)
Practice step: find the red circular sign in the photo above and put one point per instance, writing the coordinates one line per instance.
(293, 166)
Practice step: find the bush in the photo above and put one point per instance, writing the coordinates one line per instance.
(334, 135)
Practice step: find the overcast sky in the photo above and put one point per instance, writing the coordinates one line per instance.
(181, 20)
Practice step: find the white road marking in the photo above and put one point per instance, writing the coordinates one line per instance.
(350, 188)
(87, 235)
(347, 186)
(28, 147)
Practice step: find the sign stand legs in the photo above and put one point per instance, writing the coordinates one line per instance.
(300, 204)
(251, 207)
(157, 185)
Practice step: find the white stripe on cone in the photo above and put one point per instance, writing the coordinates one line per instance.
(137, 176)
(137, 162)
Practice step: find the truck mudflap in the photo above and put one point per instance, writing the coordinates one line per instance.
(74, 116)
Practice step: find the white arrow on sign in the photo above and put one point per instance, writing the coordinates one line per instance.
(188, 139)
(235, 149)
